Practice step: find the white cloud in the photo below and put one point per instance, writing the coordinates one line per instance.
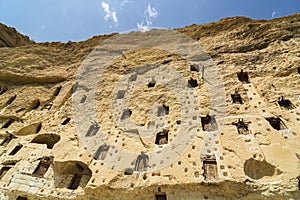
(109, 15)
(149, 15)
(124, 2)
(142, 27)
(273, 14)
(151, 11)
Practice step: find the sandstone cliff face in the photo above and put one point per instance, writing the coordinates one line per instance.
(212, 117)
(9, 37)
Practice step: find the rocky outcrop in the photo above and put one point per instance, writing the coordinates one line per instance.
(9, 37)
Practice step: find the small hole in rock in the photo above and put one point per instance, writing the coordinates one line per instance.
(151, 83)
(192, 83)
(35, 104)
(162, 138)
(276, 123)
(8, 123)
(11, 99)
(194, 68)
(209, 123)
(243, 77)
(66, 121)
(285, 103)
(3, 89)
(57, 91)
(126, 114)
(16, 149)
(236, 97)
(160, 197)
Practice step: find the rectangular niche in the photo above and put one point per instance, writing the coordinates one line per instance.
(210, 170)
(3, 89)
(75, 181)
(243, 77)
(160, 197)
(121, 94)
(133, 77)
(163, 110)
(57, 91)
(101, 152)
(22, 198)
(11, 99)
(16, 149)
(161, 138)
(209, 123)
(151, 84)
(276, 123)
(194, 68)
(236, 97)
(242, 127)
(192, 83)
(7, 140)
(126, 114)
(8, 123)
(285, 104)
(3, 171)
(42, 167)
(93, 129)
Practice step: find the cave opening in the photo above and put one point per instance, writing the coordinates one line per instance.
(243, 77)
(121, 94)
(133, 77)
(15, 150)
(42, 167)
(162, 110)
(7, 139)
(160, 197)
(161, 138)
(57, 91)
(35, 104)
(83, 99)
(126, 114)
(76, 178)
(210, 170)
(128, 171)
(151, 84)
(101, 152)
(3, 89)
(236, 97)
(38, 128)
(93, 129)
(66, 121)
(71, 174)
(49, 139)
(285, 103)
(74, 87)
(194, 68)
(276, 123)
(257, 169)
(242, 127)
(4, 170)
(192, 83)
(8, 123)
(21, 198)
(11, 99)
(209, 123)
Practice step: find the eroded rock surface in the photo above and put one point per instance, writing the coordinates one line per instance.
(155, 130)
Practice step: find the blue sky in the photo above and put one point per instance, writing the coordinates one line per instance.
(76, 20)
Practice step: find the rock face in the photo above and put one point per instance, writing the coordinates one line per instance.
(204, 112)
(9, 37)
